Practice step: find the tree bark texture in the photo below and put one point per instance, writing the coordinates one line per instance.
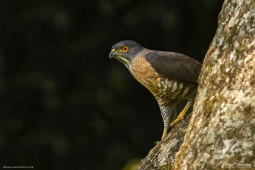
(162, 156)
(221, 132)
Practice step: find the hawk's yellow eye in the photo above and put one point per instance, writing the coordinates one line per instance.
(124, 49)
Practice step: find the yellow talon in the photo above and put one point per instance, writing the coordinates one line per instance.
(164, 133)
(181, 115)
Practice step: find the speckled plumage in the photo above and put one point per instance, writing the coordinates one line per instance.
(170, 77)
(168, 92)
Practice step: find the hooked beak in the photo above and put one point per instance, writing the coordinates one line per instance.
(115, 54)
(112, 54)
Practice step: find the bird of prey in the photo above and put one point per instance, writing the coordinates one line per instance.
(169, 76)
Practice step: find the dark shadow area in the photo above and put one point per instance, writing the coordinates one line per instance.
(64, 104)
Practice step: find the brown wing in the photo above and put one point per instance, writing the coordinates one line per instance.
(175, 66)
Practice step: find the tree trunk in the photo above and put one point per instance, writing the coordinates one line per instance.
(162, 156)
(221, 132)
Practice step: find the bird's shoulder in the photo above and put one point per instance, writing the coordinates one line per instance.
(174, 65)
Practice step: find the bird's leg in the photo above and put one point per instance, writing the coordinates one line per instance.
(167, 112)
(164, 133)
(183, 112)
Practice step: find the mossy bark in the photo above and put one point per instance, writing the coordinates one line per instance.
(221, 132)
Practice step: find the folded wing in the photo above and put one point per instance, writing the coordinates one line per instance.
(175, 66)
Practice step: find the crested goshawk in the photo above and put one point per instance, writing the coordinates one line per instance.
(169, 76)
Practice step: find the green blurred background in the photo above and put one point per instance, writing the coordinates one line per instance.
(64, 104)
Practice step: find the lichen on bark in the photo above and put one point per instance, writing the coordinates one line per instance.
(221, 132)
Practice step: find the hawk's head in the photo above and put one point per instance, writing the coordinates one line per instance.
(125, 51)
